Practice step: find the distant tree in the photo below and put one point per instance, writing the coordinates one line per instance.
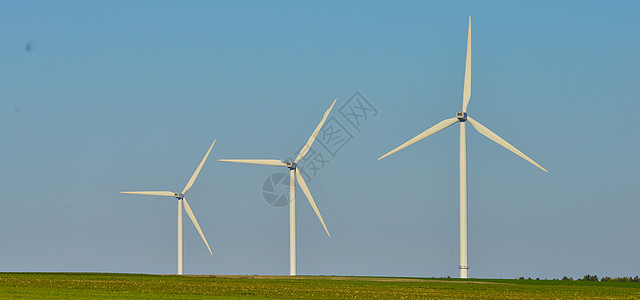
(620, 279)
(589, 278)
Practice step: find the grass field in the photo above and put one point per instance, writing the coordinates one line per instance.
(135, 286)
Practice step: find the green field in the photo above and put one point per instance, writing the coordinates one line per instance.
(134, 286)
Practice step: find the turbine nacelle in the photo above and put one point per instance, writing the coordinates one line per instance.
(462, 116)
(291, 165)
(178, 195)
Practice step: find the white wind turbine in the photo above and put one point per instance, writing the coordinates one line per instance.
(462, 117)
(181, 199)
(293, 177)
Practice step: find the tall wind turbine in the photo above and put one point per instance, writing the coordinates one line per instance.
(462, 118)
(293, 177)
(181, 199)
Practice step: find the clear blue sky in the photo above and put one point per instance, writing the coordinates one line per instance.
(101, 97)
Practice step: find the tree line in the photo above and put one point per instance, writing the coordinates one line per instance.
(589, 277)
(605, 278)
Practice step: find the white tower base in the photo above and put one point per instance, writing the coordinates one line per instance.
(292, 222)
(180, 237)
(464, 264)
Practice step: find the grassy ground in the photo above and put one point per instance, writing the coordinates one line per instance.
(134, 286)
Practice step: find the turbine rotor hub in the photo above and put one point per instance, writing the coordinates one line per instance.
(178, 195)
(292, 165)
(462, 116)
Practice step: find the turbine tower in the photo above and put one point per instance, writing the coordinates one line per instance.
(181, 199)
(293, 177)
(462, 118)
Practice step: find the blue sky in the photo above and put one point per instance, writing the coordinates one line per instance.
(113, 96)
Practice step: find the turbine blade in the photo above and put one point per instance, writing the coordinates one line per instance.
(195, 222)
(195, 174)
(153, 193)
(442, 125)
(268, 162)
(307, 145)
(466, 95)
(494, 137)
(305, 189)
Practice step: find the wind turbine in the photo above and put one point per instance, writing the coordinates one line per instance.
(293, 177)
(462, 118)
(181, 199)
